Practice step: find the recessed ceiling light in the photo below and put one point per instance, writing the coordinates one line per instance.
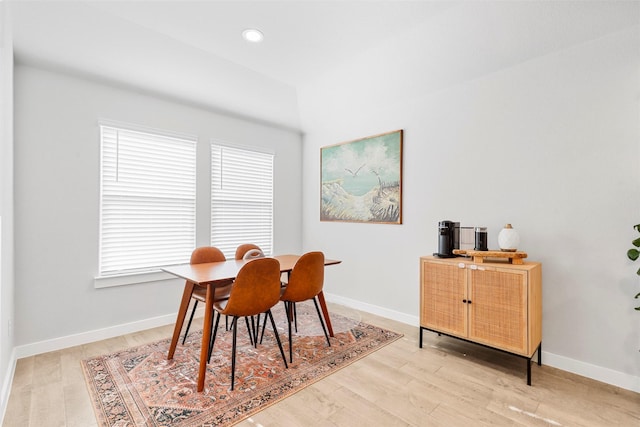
(253, 35)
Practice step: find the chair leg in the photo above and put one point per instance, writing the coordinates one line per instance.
(257, 330)
(321, 321)
(289, 307)
(295, 315)
(213, 336)
(275, 332)
(252, 332)
(264, 326)
(189, 323)
(246, 319)
(233, 352)
(211, 329)
(233, 319)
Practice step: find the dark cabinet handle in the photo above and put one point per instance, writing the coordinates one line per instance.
(466, 301)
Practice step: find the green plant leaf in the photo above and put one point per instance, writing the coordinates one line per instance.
(633, 255)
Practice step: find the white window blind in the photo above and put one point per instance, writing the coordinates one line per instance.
(241, 199)
(147, 200)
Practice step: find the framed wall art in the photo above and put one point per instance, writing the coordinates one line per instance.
(361, 180)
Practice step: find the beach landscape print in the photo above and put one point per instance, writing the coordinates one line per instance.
(362, 180)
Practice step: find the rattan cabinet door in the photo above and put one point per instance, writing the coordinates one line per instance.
(443, 289)
(498, 308)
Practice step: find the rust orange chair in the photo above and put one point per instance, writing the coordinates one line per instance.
(248, 251)
(203, 255)
(212, 254)
(305, 282)
(255, 291)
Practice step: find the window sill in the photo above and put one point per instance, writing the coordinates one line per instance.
(131, 279)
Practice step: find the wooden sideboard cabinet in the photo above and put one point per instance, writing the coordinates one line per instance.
(498, 305)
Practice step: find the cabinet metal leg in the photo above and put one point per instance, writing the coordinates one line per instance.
(529, 361)
(540, 355)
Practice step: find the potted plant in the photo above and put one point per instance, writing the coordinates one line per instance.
(634, 253)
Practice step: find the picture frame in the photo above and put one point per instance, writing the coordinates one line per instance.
(361, 180)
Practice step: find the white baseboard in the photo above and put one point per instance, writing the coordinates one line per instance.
(373, 309)
(598, 373)
(6, 385)
(95, 335)
(60, 343)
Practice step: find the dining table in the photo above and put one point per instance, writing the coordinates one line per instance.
(212, 275)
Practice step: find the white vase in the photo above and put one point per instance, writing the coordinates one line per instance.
(508, 239)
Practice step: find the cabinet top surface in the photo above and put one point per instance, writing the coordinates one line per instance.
(468, 260)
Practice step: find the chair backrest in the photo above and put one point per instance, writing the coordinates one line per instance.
(306, 278)
(256, 289)
(253, 254)
(244, 248)
(205, 254)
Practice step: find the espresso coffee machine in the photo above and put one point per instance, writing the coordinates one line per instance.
(448, 238)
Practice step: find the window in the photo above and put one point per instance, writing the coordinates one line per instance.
(147, 200)
(241, 198)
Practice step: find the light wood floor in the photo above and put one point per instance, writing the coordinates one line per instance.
(446, 383)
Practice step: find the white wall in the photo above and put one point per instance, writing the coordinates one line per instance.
(152, 61)
(6, 206)
(547, 143)
(57, 165)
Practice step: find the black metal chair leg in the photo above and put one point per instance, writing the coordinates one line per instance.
(252, 332)
(289, 321)
(275, 332)
(212, 340)
(264, 325)
(324, 328)
(295, 315)
(257, 329)
(246, 320)
(233, 352)
(189, 323)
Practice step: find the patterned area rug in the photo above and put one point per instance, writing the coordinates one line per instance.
(140, 387)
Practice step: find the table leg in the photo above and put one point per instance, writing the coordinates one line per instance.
(325, 312)
(206, 336)
(182, 312)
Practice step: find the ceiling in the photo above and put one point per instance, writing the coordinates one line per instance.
(301, 38)
(192, 51)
